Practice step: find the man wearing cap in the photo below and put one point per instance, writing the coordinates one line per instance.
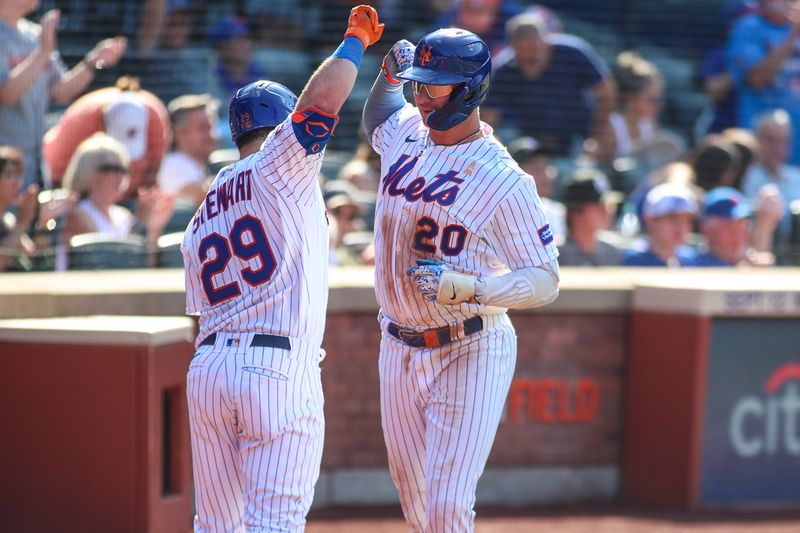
(235, 68)
(668, 212)
(135, 117)
(344, 216)
(589, 202)
(724, 220)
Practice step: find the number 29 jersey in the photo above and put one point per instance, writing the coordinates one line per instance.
(256, 253)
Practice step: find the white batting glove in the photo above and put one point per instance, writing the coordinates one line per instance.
(437, 282)
(397, 60)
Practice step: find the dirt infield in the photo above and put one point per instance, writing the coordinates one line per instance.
(616, 519)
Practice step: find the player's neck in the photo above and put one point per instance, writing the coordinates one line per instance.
(467, 131)
(250, 148)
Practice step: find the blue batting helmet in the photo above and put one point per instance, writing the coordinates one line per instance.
(452, 56)
(261, 104)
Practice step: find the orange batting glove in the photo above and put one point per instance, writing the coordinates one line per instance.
(363, 24)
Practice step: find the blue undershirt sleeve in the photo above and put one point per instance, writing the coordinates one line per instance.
(384, 100)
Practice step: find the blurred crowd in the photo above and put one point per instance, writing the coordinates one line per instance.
(103, 169)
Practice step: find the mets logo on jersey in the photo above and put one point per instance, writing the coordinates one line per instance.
(545, 234)
(425, 54)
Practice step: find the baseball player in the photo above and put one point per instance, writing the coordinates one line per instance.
(256, 255)
(461, 236)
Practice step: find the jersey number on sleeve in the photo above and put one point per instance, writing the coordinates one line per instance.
(452, 242)
(257, 246)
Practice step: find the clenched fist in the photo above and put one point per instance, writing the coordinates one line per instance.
(399, 58)
(363, 24)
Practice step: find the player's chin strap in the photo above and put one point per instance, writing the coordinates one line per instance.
(520, 289)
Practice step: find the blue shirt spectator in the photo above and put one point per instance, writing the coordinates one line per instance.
(668, 210)
(683, 256)
(486, 18)
(764, 60)
(554, 87)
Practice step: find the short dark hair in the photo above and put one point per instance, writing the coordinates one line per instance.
(258, 134)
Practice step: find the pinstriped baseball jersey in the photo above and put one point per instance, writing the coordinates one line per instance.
(468, 205)
(256, 252)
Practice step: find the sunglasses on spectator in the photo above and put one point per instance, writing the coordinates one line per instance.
(347, 214)
(433, 91)
(112, 167)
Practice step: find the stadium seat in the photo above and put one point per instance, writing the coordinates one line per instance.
(96, 251)
(168, 253)
(181, 216)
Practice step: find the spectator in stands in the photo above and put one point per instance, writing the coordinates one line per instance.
(165, 57)
(485, 18)
(534, 159)
(723, 223)
(746, 145)
(235, 67)
(15, 245)
(32, 74)
(669, 210)
(98, 173)
(167, 24)
(635, 124)
(184, 171)
(764, 60)
(345, 215)
(774, 131)
(541, 90)
(715, 161)
(722, 112)
(135, 117)
(359, 173)
(590, 205)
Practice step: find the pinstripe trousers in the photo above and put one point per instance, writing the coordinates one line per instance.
(440, 409)
(257, 428)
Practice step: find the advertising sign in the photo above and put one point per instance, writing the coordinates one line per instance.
(751, 438)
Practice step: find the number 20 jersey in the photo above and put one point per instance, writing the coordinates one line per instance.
(468, 205)
(256, 253)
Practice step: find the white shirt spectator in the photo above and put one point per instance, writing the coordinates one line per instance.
(787, 181)
(178, 170)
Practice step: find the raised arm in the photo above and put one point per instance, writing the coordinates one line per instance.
(24, 75)
(332, 82)
(386, 96)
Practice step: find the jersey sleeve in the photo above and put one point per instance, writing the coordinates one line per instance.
(291, 156)
(519, 232)
(386, 134)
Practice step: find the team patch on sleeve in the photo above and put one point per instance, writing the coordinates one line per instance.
(313, 128)
(545, 234)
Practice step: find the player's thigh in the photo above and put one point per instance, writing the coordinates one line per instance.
(281, 437)
(464, 410)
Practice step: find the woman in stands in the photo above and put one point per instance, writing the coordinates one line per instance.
(635, 123)
(99, 172)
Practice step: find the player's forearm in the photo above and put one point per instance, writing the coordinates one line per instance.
(521, 289)
(384, 100)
